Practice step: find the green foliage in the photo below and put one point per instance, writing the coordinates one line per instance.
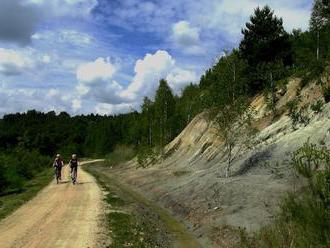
(235, 129)
(121, 154)
(304, 219)
(146, 156)
(317, 106)
(264, 32)
(298, 115)
(315, 70)
(19, 166)
(326, 93)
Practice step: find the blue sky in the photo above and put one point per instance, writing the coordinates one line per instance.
(103, 56)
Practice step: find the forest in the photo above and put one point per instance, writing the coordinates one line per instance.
(28, 141)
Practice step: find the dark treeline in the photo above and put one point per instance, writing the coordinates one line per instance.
(266, 57)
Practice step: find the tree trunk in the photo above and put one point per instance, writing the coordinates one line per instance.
(272, 85)
(229, 161)
(234, 83)
(318, 46)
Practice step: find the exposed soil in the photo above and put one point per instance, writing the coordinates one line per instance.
(61, 215)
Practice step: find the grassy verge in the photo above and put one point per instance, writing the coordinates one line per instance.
(138, 221)
(119, 155)
(11, 201)
(129, 223)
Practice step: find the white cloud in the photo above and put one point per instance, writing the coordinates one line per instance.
(22, 61)
(96, 81)
(64, 36)
(179, 78)
(13, 62)
(148, 72)
(76, 105)
(99, 70)
(20, 100)
(184, 34)
(187, 38)
(108, 109)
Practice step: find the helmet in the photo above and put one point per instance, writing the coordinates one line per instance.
(58, 155)
(74, 155)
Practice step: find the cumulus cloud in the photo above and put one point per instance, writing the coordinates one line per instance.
(13, 63)
(96, 81)
(179, 78)
(99, 70)
(20, 100)
(187, 37)
(19, 61)
(148, 72)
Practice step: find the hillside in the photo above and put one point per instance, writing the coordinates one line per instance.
(190, 181)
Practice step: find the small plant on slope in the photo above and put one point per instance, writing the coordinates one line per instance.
(234, 124)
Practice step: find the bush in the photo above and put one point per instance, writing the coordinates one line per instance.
(297, 115)
(146, 156)
(317, 107)
(314, 71)
(304, 219)
(19, 166)
(326, 93)
(120, 154)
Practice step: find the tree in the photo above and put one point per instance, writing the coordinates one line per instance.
(234, 124)
(164, 112)
(265, 42)
(147, 109)
(319, 19)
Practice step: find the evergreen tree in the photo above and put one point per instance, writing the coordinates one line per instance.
(265, 42)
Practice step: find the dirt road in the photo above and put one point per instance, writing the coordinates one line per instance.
(62, 215)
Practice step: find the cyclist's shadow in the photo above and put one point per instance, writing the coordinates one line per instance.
(63, 182)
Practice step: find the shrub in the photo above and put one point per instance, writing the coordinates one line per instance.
(19, 166)
(314, 71)
(297, 115)
(304, 219)
(326, 93)
(317, 106)
(146, 156)
(121, 154)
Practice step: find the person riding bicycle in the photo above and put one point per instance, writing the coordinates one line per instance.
(74, 167)
(58, 164)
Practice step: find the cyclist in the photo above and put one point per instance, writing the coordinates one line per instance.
(58, 164)
(74, 167)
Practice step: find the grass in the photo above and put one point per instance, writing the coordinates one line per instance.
(13, 200)
(139, 222)
(120, 154)
(180, 173)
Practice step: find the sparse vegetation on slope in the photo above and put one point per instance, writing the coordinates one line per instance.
(304, 219)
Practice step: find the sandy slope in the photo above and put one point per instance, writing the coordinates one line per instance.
(62, 215)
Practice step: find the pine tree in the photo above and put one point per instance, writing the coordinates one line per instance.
(265, 42)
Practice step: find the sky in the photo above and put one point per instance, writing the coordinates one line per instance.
(104, 56)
